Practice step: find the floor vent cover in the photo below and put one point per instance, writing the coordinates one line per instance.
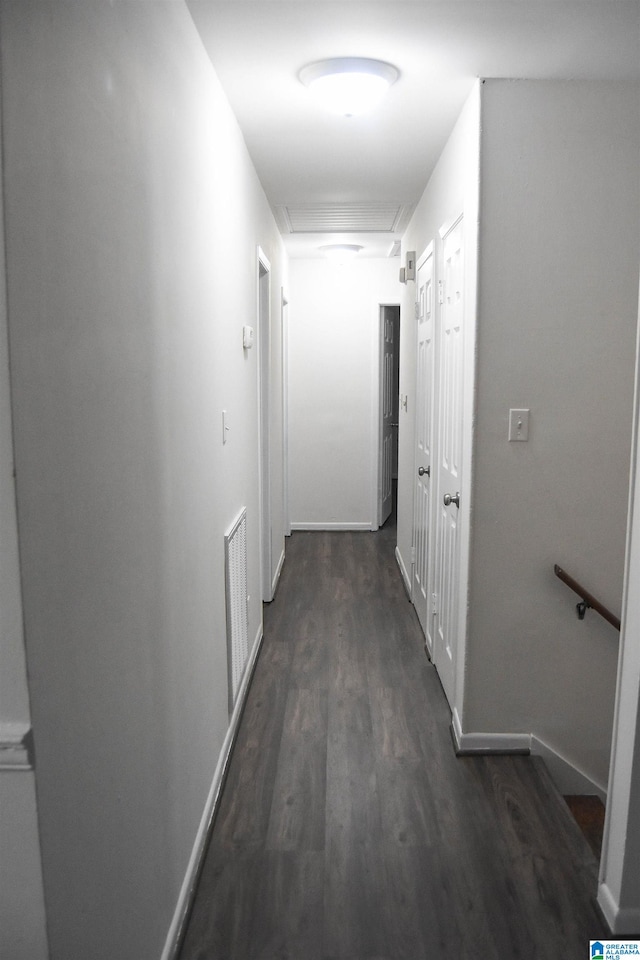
(235, 555)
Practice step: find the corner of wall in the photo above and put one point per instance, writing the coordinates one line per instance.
(568, 778)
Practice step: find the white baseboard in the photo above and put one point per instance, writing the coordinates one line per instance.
(466, 743)
(276, 576)
(568, 778)
(403, 570)
(312, 525)
(187, 891)
(622, 922)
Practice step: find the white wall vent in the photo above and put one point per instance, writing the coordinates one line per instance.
(235, 556)
(342, 217)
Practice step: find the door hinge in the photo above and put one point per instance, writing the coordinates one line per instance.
(413, 554)
(434, 604)
(417, 309)
(440, 291)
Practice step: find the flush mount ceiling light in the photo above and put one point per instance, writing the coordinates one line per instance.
(349, 85)
(341, 251)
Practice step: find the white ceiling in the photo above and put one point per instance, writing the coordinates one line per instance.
(381, 163)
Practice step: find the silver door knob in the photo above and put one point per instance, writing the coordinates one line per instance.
(424, 470)
(448, 499)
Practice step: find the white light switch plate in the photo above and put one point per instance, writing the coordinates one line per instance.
(518, 425)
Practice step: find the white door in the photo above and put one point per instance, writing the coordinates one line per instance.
(449, 455)
(425, 322)
(387, 357)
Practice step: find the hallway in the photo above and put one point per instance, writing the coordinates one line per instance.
(347, 826)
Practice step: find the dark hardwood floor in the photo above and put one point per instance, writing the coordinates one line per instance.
(348, 829)
(589, 813)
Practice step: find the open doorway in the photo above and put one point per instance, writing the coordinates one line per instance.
(389, 372)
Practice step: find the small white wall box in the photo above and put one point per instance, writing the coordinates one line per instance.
(410, 268)
(518, 424)
(403, 275)
(247, 337)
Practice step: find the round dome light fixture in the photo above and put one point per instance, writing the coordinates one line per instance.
(349, 85)
(340, 252)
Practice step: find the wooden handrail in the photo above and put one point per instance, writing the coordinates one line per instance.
(589, 602)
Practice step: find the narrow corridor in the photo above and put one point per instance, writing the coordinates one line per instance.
(347, 827)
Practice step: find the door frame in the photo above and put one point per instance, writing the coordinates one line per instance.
(263, 315)
(284, 320)
(376, 408)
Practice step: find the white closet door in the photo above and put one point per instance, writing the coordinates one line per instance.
(425, 317)
(449, 456)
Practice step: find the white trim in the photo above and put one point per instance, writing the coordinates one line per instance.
(374, 425)
(187, 890)
(622, 921)
(568, 778)
(618, 869)
(449, 225)
(403, 570)
(276, 576)
(471, 212)
(313, 525)
(376, 407)
(263, 324)
(428, 252)
(487, 742)
(284, 320)
(608, 905)
(14, 750)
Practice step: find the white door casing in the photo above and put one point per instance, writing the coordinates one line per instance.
(284, 320)
(449, 456)
(385, 470)
(264, 369)
(423, 482)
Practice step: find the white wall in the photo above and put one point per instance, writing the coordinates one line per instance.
(133, 215)
(557, 310)
(333, 401)
(22, 920)
(559, 252)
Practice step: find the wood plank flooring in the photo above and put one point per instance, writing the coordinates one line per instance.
(348, 829)
(589, 813)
